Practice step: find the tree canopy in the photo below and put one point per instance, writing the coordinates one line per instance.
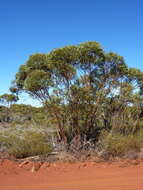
(8, 99)
(84, 89)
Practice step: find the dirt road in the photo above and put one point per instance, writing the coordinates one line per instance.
(77, 176)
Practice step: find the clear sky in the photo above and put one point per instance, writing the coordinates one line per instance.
(32, 26)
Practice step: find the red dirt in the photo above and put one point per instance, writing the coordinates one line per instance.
(77, 176)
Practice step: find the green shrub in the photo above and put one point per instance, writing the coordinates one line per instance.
(119, 145)
(25, 143)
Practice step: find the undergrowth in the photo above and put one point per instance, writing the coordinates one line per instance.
(24, 143)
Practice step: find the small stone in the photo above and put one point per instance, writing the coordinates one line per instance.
(45, 165)
(84, 165)
(134, 162)
(36, 166)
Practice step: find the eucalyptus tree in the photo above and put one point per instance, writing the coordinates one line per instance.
(8, 99)
(84, 88)
(44, 79)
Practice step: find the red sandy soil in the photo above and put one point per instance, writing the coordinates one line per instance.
(74, 176)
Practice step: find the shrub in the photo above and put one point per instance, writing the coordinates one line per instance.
(25, 143)
(119, 145)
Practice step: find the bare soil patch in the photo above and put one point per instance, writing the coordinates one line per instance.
(121, 175)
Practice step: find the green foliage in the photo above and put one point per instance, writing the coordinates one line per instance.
(8, 99)
(24, 143)
(3, 113)
(85, 91)
(36, 81)
(119, 145)
(27, 115)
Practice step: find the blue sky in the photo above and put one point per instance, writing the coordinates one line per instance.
(32, 26)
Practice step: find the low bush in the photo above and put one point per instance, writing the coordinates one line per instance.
(119, 145)
(25, 143)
